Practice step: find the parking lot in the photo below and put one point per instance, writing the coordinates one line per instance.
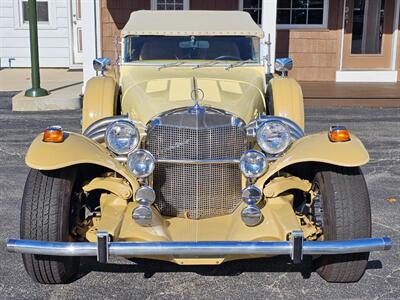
(273, 278)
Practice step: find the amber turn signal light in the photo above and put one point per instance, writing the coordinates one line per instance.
(53, 134)
(339, 134)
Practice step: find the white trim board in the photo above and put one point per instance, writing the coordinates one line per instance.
(91, 34)
(269, 27)
(366, 76)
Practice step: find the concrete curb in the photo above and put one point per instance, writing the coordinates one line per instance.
(58, 100)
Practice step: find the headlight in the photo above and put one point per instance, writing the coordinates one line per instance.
(122, 137)
(253, 163)
(273, 137)
(141, 163)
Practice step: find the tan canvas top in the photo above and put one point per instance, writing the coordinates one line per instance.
(191, 22)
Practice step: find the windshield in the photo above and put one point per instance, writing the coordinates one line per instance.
(230, 48)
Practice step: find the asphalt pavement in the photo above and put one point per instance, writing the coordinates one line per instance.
(271, 278)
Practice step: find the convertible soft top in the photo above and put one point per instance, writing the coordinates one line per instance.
(193, 22)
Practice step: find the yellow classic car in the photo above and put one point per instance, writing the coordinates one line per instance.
(191, 152)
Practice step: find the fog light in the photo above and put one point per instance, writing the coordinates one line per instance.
(253, 164)
(142, 215)
(141, 163)
(251, 215)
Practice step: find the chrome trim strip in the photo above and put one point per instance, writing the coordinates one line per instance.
(202, 249)
(98, 136)
(295, 130)
(198, 161)
(97, 126)
(235, 121)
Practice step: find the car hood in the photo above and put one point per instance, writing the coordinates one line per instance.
(148, 92)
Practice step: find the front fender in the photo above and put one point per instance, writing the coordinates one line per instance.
(318, 148)
(100, 100)
(285, 99)
(76, 149)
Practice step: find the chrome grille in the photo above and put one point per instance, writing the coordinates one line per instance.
(196, 190)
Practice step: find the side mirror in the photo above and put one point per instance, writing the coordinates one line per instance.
(283, 65)
(101, 64)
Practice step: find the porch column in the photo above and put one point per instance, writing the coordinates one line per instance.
(90, 37)
(268, 25)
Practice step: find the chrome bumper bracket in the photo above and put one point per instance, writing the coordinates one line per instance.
(103, 241)
(296, 239)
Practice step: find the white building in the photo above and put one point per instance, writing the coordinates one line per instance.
(59, 31)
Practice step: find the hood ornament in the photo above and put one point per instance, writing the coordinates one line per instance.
(197, 95)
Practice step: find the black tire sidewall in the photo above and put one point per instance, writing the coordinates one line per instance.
(51, 191)
(346, 215)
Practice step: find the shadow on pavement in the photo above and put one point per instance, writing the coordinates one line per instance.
(232, 268)
(5, 100)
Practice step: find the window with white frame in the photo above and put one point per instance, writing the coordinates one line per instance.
(42, 10)
(302, 13)
(253, 7)
(170, 4)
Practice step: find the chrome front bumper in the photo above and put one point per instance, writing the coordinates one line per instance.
(296, 247)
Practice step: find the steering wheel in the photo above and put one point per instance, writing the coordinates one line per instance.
(227, 57)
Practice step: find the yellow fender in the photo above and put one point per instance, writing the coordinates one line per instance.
(76, 149)
(285, 99)
(100, 100)
(318, 148)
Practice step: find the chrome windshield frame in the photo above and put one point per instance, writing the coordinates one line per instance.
(191, 63)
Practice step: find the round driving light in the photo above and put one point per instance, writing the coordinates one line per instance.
(122, 137)
(251, 195)
(253, 163)
(273, 137)
(145, 195)
(141, 163)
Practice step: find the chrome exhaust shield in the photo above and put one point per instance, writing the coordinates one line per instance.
(198, 249)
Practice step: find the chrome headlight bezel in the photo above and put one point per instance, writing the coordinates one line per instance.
(254, 127)
(111, 142)
(273, 132)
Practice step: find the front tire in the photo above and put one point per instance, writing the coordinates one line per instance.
(346, 215)
(45, 216)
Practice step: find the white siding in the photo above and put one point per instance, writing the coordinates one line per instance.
(54, 40)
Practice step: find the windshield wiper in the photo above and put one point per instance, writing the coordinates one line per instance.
(238, 64)
(207, 64)
(173, 64)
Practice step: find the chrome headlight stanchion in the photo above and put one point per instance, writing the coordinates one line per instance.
(274, 135)
(142, 163)
(253, 164)
(251, 214)
(143, 214)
